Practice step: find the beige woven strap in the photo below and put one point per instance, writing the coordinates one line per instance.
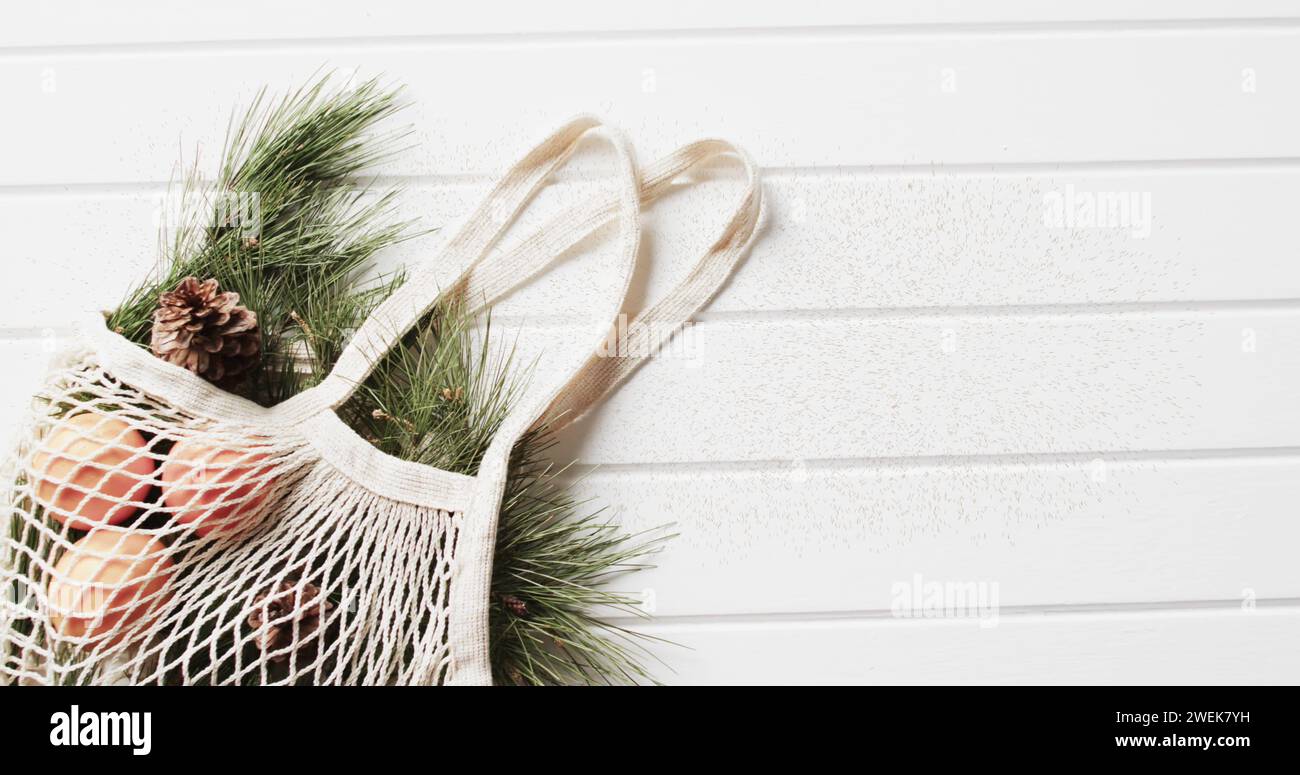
(604, 371)
(470, 593)
(589, 376)
(489, 276)
(401, 311)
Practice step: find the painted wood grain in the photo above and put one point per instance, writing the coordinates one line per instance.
(803, 537)
(792, 101)
(955, 384)
(897, 240)
(1183, 647)
(85, 22)
(945, 385)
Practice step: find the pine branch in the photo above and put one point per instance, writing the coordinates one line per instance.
(438, 399)
(282, 227)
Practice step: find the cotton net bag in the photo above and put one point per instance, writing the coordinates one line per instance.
(162, 530)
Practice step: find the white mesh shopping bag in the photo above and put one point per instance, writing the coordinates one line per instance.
(161, 530)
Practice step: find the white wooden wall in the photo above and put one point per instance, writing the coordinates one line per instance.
(913, 376)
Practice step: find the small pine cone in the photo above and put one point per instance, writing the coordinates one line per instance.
(281, 609)
(200, 328)
(514, 605)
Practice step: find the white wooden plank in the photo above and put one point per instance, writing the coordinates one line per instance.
(86, 22)
(832, 242)
(76, 253)
(814, 537)
(1083, 531)
(794, 100)
(849, 388)
(1099, 531)
(1178, 647)
(25, 362)
(953, 384)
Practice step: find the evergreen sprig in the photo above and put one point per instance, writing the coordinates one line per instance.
(283, 227)
(547, 591)
(437, 399)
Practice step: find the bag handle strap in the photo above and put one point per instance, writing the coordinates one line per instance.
(467, 632)
(589, 380)
(604, 371)
(404, 308)
(488, 277)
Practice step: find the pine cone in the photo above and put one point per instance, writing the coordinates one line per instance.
(202, 329)
(514, 605)
(281, 609)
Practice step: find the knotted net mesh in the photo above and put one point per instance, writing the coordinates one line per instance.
(149, 545)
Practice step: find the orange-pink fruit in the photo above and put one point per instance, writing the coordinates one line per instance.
(87, 466)
(101, 584)
(215, 488)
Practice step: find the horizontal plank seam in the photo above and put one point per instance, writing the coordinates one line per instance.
(739, 35)
(1170, 457)
(932, 169)
(1070, 310)
(1073, 311)
(1286, 605)
(26, 334)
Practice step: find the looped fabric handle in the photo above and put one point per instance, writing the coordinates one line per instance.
(604, 371)
(593, 378)
(491, 275)
(487, 278)
(402, 310)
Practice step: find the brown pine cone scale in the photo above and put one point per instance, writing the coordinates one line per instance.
(275, 614)
(199, 327)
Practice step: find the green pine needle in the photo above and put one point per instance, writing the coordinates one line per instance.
(282, 227)
(438, 399)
